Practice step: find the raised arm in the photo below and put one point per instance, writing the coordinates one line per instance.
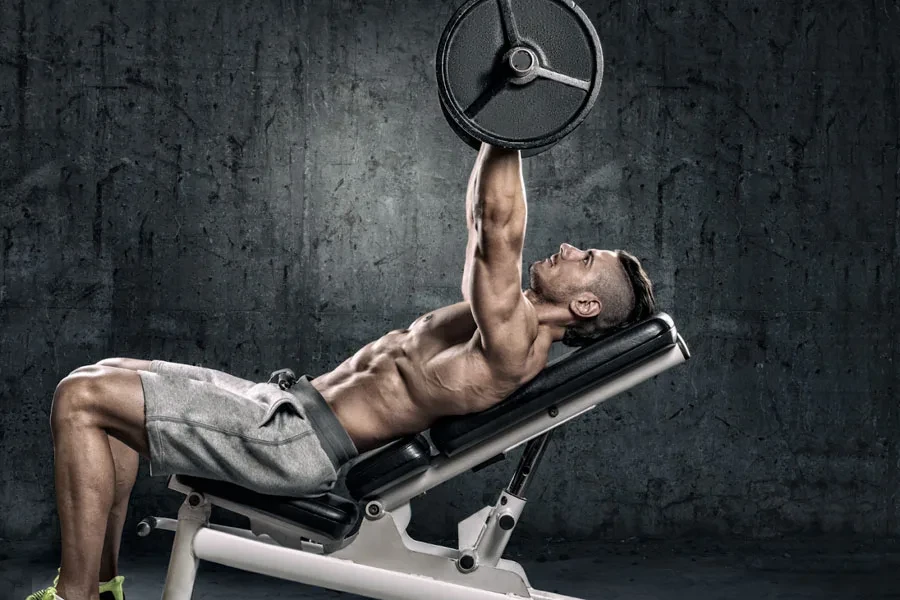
(492, 280)
(470, 226)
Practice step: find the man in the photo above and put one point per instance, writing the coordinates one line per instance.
(458, 359)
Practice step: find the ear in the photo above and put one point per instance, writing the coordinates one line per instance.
(586, 305)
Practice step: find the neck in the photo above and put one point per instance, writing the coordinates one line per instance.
(551, 317)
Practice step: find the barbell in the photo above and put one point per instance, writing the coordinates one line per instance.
(519, 74)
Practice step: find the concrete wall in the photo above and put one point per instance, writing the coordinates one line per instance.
(254, 185)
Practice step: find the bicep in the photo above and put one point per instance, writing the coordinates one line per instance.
(467, 269)
(499, 307)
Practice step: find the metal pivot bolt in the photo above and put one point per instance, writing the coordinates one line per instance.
(374, 510)
(467, 563)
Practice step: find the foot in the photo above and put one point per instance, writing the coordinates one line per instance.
(44, 594)
(109, 590)
(48, 593)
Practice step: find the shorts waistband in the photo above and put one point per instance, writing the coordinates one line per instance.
(334, 438)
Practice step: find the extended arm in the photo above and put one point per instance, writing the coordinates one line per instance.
(470, 226)
(492, 280)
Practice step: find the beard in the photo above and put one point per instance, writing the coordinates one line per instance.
(539, 286)
(533, 280)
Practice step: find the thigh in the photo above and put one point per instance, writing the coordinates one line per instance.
(220, 379)
(261, 440)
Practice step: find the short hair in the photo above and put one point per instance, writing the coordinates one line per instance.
(622, 307)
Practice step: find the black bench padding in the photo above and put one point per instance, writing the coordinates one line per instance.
(331, 516)
(570, 374)
(403, 457)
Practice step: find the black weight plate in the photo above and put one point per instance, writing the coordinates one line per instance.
(468, 139)
(537, 111)
(476, 144)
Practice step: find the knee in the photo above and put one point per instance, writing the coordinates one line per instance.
(119, 363)
(86, 369)
(75, 398)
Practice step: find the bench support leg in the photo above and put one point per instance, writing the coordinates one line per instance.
(484, 535)
(192, 516)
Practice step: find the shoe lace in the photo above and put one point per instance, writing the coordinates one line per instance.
(45, 594)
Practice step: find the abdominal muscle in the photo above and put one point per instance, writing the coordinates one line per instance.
(404, 381)
(371, 404)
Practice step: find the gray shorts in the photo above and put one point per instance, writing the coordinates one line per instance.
(207, 423)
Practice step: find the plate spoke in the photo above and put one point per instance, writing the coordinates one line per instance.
(564, 79)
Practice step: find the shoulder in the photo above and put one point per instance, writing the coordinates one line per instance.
(514, 354)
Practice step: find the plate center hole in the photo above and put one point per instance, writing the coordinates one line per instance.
(521, 60)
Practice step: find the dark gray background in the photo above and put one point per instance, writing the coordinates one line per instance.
(250, 185)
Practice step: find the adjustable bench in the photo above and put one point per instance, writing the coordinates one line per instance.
(360, 545)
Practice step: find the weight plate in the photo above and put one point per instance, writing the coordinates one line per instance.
(476, 144)
(518, 73)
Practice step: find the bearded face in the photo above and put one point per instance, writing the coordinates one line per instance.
(556, 278)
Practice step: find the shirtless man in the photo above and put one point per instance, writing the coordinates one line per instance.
(457, 359)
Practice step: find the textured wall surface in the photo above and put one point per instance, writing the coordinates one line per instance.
(249, 185)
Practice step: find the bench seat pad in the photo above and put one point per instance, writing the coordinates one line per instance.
(330, 516)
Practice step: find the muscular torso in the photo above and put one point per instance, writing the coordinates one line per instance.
(404, 381)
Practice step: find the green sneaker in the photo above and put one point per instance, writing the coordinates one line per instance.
(45, 594)
(109, 590)
(112, 589)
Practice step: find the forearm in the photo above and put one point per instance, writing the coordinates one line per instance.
(499, 191)
(470, 227)
(495, 183)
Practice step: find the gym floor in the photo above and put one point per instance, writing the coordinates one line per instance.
(628, 571)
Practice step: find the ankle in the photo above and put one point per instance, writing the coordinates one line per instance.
(108, 570)
(69, 593)
(106, 576)
(66, 596)
(62, 593)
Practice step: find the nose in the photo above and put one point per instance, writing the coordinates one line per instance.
(564, 249)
